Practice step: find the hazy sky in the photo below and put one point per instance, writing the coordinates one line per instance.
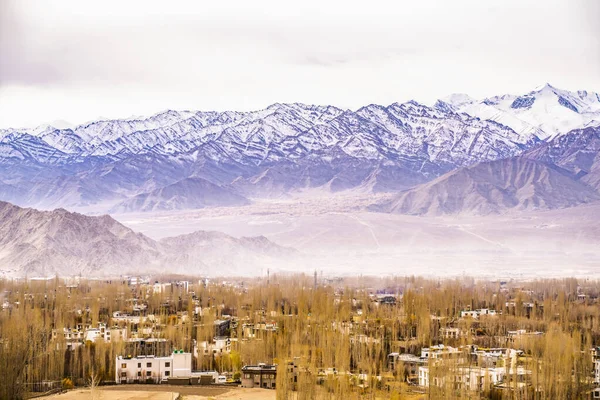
(78, 60)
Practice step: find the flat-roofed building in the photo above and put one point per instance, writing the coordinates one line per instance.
(151, 369)
(261, 375)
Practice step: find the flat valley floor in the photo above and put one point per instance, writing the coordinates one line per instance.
(334, 235)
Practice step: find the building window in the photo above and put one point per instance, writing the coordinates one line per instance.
(148, 365)
(167, 373)
(123, 374)
(139, 374)
(167, 364)
(124, 365)
(148, 373)
(139, 365)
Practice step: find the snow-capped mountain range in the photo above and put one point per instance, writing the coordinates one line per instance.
(278, 150)
(545, 112)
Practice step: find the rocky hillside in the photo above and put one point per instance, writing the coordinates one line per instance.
(577, 151)
(497, 187)
(44, 243)
(188, 193)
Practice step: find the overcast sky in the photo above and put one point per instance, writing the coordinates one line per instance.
(77, 61)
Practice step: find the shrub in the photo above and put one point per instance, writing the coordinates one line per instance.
(67, 383)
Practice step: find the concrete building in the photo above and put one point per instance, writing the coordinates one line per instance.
(471, 378)
(102, 332)
(222, 327)
(476, 314)
(219, 345)
(252, 330)
(452, 333)
(119, 316)
(261, 375)
(474, 378)
(150, 369)
(80, 334)
(440, 351)
(410, 363)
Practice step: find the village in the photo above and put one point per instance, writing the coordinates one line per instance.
(390, 338)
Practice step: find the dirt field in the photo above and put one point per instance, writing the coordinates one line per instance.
(167, 392)
(239, 394)
(114, 395)
(183, 390)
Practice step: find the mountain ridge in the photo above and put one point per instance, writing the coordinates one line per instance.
(45, 243)
(495, 187)
(274, 151)
(188, 193)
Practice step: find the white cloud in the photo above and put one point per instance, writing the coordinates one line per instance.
(76, 61)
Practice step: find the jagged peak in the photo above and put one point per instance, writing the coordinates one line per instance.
(545, 86)
(371, 106)
(457, 99)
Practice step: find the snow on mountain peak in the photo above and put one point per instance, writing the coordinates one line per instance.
(544, 87)
(284, 147)
(458, 99)
(545, 111)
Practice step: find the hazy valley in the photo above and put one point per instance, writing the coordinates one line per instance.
(335, 235)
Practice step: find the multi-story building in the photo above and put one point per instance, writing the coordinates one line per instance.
(250, 330)
(83, 333)
(440, 351)
(261, 375)
(102, 332)
(119, 316)
(476, 314)
(410, 363)
(471, 378)
(219, 345)
(153, 369)
(452, 333)
(221, 326)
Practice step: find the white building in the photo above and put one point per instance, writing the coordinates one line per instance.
(474, 378)
(452, 333)
(219, 345)
(476, 314)
(106, 334)
(153, 369)
(439, 351)
(80, 334)
(70, 334)
(118, 316)
(252, 330)
(522, 333)
(471, 378)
